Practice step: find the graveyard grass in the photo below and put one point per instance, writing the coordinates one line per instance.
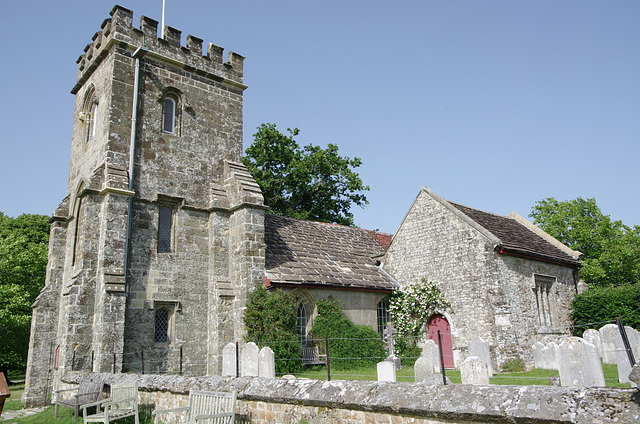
(406, 374)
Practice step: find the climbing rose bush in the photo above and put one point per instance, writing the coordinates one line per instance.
(413, 304)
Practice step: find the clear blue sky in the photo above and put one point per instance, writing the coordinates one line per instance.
(493, 104)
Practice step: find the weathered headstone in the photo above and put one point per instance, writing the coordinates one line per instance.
(474, 371)
(595, 338)
(551, 356)
(229, 360)
(386, 371)
(249, 363)
(633, 336)
(538, 355)
(478, 347)
(428, 363)
(579, 363)
(609, 333)
(622, 356)
(634, 376)
(266, 363)
(389, 333)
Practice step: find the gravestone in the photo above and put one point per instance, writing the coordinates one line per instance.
(230, 360)
(633, 336)
(609, 333)
(551, 356)
(387, 371)
(428, 363)
(595, 338)
(267, 363)
(249, 360)
(474, 371)
(579, 363)
(622, 357)
(389, 332)
(478, 347)
(538, 355)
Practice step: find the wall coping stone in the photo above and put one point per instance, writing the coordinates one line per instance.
(487, 404)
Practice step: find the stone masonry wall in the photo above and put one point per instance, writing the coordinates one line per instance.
(492, 295)
(262, 401)
(433, 243)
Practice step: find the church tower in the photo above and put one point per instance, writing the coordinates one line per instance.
(161, 235)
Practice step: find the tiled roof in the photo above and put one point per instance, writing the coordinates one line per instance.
(326, 255)
(516, 238)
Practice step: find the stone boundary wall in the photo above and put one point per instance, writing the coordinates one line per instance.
(262, 400)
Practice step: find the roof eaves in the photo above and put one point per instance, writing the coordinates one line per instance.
(548, 237)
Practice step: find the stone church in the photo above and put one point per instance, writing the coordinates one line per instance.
(163, 232)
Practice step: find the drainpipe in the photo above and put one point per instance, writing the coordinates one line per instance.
(137, 55)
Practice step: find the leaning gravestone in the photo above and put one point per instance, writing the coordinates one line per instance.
(428, 363)
(609, 333)
(579, 363)
(229, 360)
(249, 364)
(387, 371)
(266, 363)
(595, 338)
(478, 347)
(474, 371)
(622, 357)
(633, 336)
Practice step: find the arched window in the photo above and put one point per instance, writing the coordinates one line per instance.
(383, 316)
(165, 220)
(169, 114)
(89, 114)
(302, 324)
(162, 325)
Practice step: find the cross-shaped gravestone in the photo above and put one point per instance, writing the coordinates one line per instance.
(389, 332)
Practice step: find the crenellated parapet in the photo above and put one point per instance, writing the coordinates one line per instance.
(119, 31)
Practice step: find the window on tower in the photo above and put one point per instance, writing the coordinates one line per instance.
(169, 115)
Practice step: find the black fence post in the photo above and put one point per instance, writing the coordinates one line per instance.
(142, 357)
(444, 377)
(237, 360)
(625, 341)
(180, 359)
(326, 348)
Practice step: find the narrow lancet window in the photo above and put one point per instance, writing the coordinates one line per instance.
(168, 115)
(164, 229)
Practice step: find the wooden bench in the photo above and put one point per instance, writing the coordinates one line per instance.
(123, 402)
(88, 391)
(206, 408)
(311, 356)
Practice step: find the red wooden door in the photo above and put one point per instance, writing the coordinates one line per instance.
(439, 322)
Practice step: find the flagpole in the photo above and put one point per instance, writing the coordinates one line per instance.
(162, 28)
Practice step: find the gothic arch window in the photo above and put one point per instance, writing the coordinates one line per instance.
(302, 323)
(89, 114)
(544, 299)
(383, 315)
(162, 320)
(169, 114)
(171, 101)
(165, 225)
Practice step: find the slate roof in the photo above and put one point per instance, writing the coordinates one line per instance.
(516, 238)
(309, 253)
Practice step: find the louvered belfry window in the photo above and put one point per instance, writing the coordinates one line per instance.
(164, 229)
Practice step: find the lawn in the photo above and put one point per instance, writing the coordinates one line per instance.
(406, 374)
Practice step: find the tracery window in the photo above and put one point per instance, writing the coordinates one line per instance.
(302, 324)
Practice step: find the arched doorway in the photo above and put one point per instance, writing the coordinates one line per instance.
(439, 322)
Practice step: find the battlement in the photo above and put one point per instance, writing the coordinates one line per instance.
(119, 31)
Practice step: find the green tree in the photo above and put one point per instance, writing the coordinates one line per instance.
(304, 182)
(271, 319)
(23, 262)
(611, 250)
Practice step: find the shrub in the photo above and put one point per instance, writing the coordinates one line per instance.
(350, 345)
(513, 365)
(601, 304)
(271, 319)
